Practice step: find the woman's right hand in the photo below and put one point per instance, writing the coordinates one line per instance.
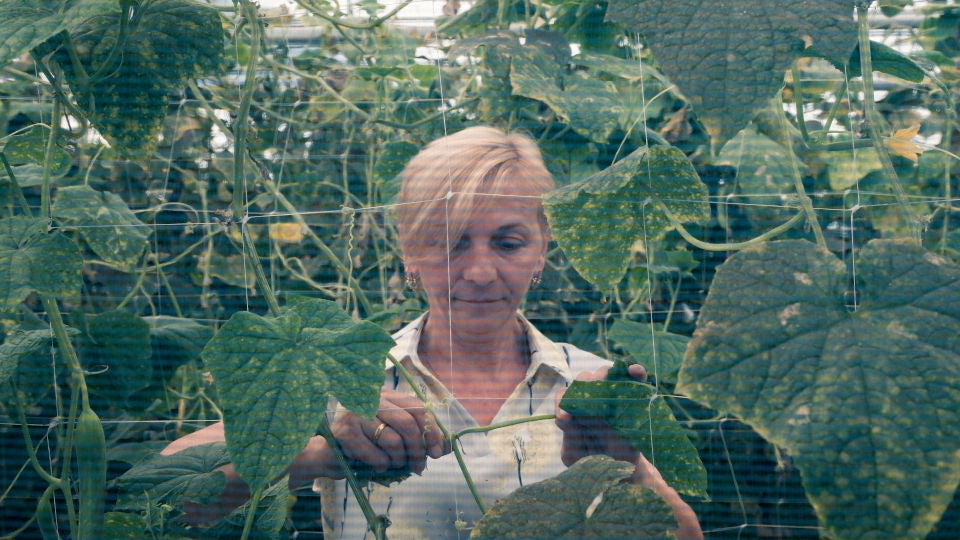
(402, 435)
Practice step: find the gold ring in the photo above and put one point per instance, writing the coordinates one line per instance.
(376, 434)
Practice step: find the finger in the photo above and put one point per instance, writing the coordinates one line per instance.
(356, 440)
(436, 444)
(404, 442)
(391, 444)
(637, 371)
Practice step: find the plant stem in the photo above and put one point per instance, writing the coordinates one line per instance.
(875, 120)
(251, 513)
(249, 10)
(446, 433)
(251, 248)
(14, 187)
(368, 512)
(733, 246)
(499, 425)
(805, 203)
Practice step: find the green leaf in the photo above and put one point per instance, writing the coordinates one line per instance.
(597, 220)
(35, 260)
(641, 417)
(866, 400)
(170, 42)
(190, 475)
(177, 340)
(105, 221)
(567, 507)
(28, 23)
(278, 373)
(728, 56)
(270, 518)
(592, 107)
(29, 146)
(25, 362)
(661, 353)
(116, 350)
(885, 59)
(847, 167)
(765, 173)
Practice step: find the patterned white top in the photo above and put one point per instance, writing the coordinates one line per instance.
(438, 504)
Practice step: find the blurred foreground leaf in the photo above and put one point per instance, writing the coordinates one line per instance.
(585, 501)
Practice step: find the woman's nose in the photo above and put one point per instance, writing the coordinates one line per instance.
(479, 266)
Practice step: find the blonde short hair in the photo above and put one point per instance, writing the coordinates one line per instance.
(440, 185)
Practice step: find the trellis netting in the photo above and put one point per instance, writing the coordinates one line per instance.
(756, 201)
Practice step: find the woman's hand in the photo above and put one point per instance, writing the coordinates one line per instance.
(588, 435)
(584, 436)
(402, 435)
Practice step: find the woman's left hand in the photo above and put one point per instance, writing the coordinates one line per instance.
(587, 435)
(584, 436)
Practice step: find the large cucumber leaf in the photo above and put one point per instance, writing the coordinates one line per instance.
(279, 373)
(28, 23)
(132, 61)
(104, 221)
(864, 397)
(728, 56)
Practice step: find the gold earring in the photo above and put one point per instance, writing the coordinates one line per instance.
(411, 279)
(535, 280)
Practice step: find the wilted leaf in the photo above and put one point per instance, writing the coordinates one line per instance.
(566, 507)
(865, 401)
(105, 221)
(279, 372)
(28, 23)
(644, 420)
(728, 56)
(597, 220)
(35, 260)
(286, 233)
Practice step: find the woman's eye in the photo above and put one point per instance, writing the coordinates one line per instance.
(462, 244)
(510, 243)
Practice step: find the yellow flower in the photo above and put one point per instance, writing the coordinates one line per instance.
(289, 233)
(901, 143)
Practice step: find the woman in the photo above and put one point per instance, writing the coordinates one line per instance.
(474, 236)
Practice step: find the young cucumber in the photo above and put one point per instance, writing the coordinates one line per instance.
(91, 451)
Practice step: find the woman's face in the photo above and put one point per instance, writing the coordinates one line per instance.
(479, 283)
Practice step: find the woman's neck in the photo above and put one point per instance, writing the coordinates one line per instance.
(480, 373)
